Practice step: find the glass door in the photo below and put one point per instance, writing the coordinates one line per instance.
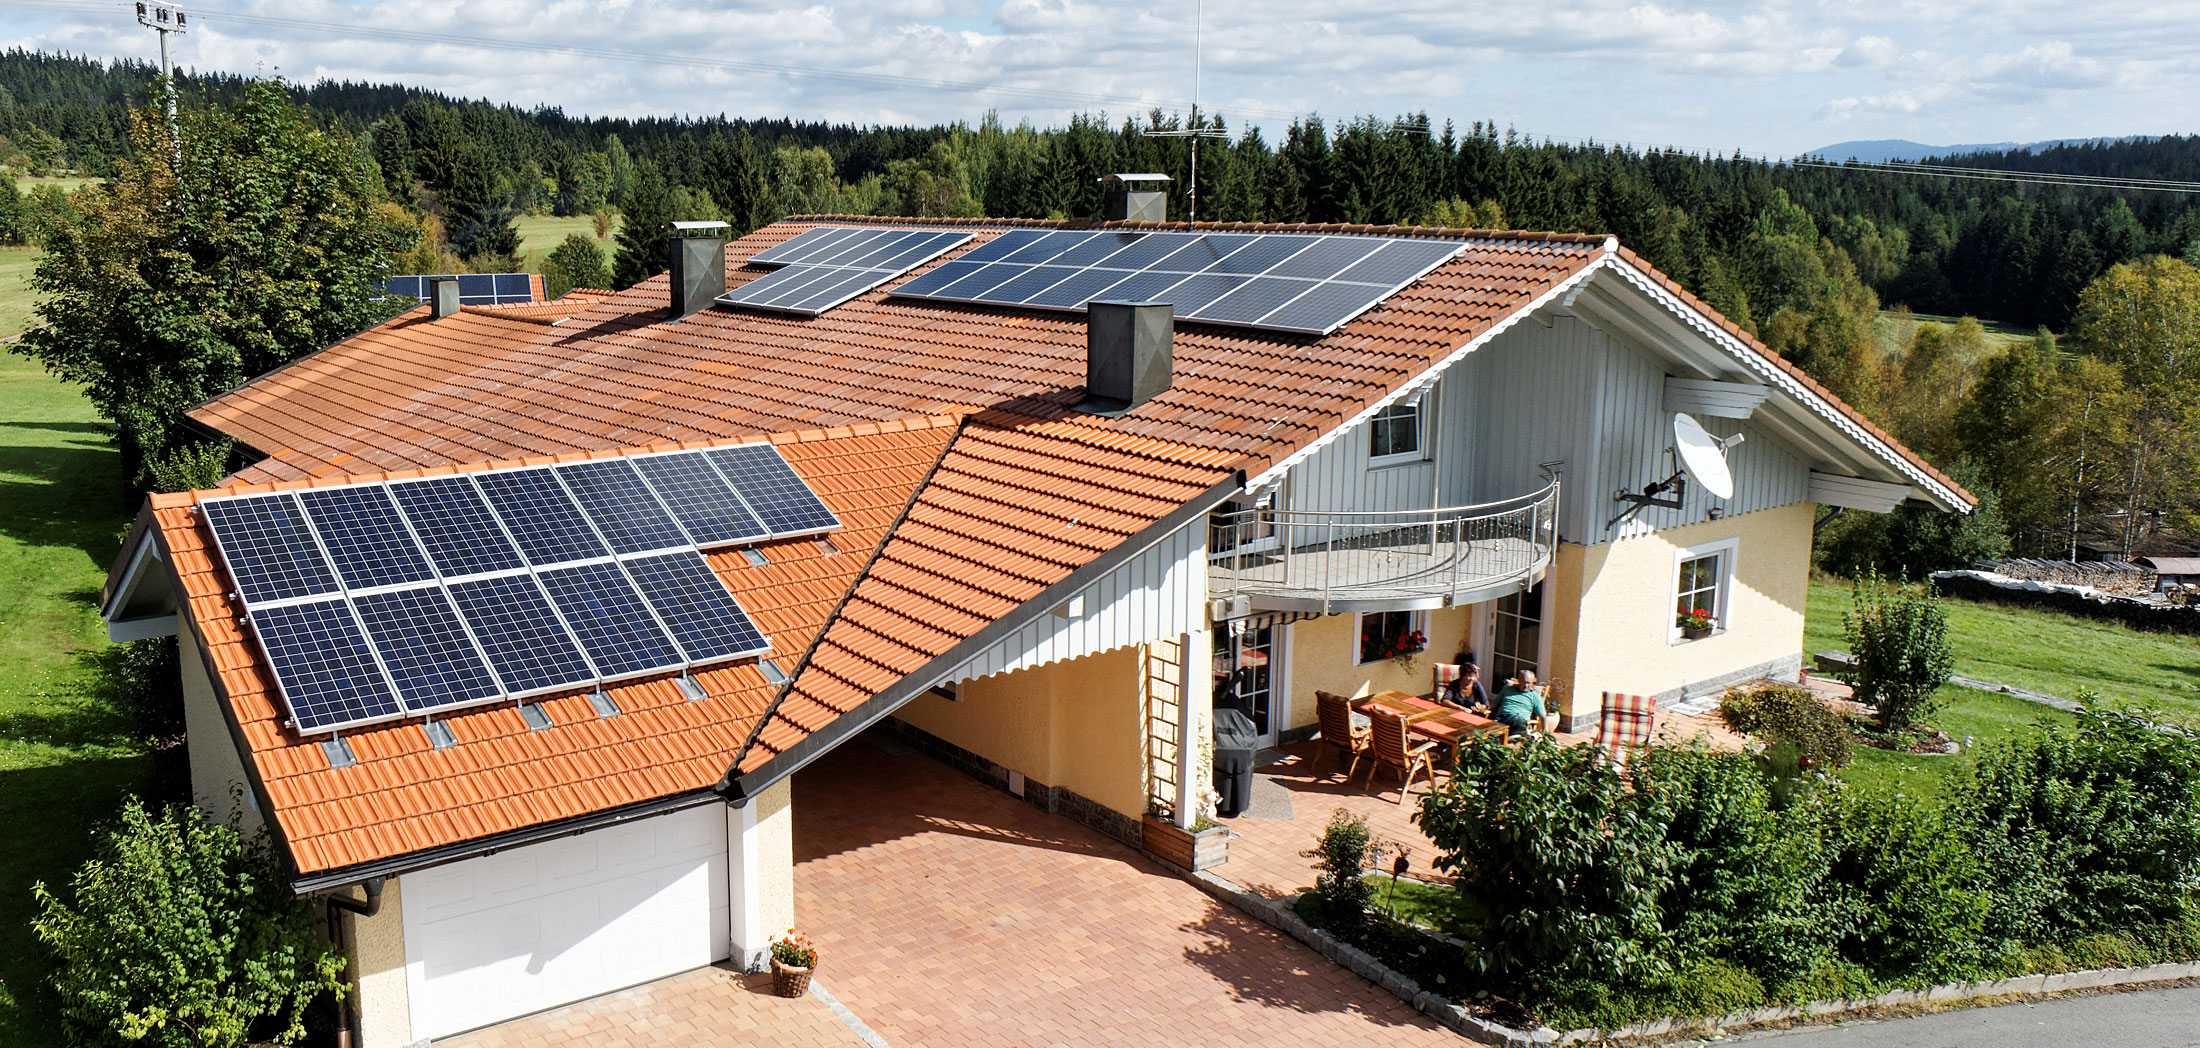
(1516, 644)
(1245, 674)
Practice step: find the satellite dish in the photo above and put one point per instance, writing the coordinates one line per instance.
(1702, 455)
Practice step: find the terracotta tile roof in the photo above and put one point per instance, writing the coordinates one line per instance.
(617, 376)
(563, 308)
(404, 796)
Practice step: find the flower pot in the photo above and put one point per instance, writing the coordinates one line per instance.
(1696, 632)
(1187, 849)
(789, 980)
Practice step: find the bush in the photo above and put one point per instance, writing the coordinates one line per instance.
(1559, 865)
(577, 262)
(1791, 716)
(1907, 893)
(147, 678)
(2087, 827)
(1899, 638)
(182, 934)
(1345, 852)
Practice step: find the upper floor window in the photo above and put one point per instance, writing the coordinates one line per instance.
(1394, 435)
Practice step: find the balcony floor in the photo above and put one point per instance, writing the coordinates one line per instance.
(1378, 578)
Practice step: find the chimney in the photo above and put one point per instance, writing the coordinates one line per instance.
(442, 297)
(1127, 355)
(1124, 204)
(698, 266)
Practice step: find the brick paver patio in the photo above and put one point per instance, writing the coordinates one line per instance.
(710, 1006)
(951, 914)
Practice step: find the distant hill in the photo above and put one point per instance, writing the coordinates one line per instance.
(1884, 150)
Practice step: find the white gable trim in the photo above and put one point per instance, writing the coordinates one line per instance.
(1874, 496)
(146, 567)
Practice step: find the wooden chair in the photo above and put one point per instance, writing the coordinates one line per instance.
(1626, 723)
(1446, 674)
(1339, 735)
(1392, 750)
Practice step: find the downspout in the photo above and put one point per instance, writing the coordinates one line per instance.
(346, 904)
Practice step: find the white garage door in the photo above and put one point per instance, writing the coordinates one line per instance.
(516, 932)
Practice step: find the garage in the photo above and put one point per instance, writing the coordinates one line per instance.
(535, 927)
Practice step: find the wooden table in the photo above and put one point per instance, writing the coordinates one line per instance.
(1411, 707)
(1450, 727)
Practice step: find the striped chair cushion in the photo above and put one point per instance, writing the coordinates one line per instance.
(1626, 721)
(1446, 673)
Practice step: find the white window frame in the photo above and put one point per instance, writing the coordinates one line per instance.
(1419, 453)
(1723, 595)
(1417, 621)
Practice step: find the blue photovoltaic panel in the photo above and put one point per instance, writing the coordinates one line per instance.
(1309, 283)
(699, 497)
(364, 535)
(829, 265)
(269, 549)
(456, 526)
(811, 245)
(323, 667)
(703, 617)
(521, 634)
(625, 511)
(425, 648)
(474, 289)
(548, 526)
(610, 619)
(781, 500)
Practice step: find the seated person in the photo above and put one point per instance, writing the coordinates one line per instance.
(1466, 693)
(1520, 704)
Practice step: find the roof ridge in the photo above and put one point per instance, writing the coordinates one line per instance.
(1340, 228)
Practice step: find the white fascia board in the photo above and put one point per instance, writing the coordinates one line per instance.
(147, 566)
(1873, 496)
(1772, 375)
(1703, 396)
(1561, 290)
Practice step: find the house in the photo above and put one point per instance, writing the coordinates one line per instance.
(1057, 536)
(2171, 573)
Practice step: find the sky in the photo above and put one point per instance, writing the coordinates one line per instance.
(1771, 77)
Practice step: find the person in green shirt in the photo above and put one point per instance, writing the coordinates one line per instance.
(1520, 704)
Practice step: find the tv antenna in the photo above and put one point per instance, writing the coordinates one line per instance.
(165, 19)
(1194, 132)
(1696, 454)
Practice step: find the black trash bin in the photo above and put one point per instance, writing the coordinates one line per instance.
(1236, 740)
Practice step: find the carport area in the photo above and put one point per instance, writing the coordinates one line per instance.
(948, 913)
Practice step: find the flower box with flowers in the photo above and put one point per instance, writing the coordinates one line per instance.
(1399, 648)
(793, 958)
(1696, 623)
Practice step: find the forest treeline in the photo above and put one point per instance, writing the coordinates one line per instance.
(1806, 257)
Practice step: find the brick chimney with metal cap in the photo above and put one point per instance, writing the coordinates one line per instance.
(698, 266)
(1128, 355)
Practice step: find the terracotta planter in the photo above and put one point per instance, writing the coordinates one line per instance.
(789, 980)
(1185, 849)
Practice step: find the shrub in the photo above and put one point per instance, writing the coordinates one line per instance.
(1344, 854)
(182, 934)
(189, 467)
(147, 678)
(2088, 827)
(1559, 866)
(1791, 716)
(1907, 892)
(577, 262)
(1899, 638)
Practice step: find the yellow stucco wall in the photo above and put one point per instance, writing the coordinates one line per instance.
(383, 1007)
(217, 770)
(1073, 724)
(1614, 608)
(1325, 656)
(775, 855)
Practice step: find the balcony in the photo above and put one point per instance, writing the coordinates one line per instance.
(1387, 561)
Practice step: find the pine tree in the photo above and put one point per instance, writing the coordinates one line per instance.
(479, 216)
(733, 175)
(643, 239)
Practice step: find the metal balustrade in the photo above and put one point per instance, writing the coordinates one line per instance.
(1283, 560)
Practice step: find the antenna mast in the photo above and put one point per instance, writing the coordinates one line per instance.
(165, 19)
(1195, 132)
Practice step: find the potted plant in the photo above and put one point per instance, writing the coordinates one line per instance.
(1697, 623)
(793, 958)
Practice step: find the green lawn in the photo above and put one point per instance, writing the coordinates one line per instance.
(15, 289)
(24, 183)
(1893, 333)
(541, 234)
(66, 757)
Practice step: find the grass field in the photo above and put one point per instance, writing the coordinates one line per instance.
(1893, 331)
(66, 757)
(23, 183)
(541, 234)
(15, 288)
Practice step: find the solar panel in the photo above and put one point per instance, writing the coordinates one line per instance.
(624, 509)
(780, 499)
(829, 265)
(1304, 283)
(699, 498)
(541, 516)
(707, 622)
(426, 650)
(474, 289)
(611, 621)
(521, 634)
(461, 534)
(363, 533)
(322, 665)
(269, 548)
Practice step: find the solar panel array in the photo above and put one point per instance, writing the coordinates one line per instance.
(390, 599)
(474, 289)
(829, 265)
(1297, 282)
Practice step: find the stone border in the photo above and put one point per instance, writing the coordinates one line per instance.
(1454, 1017)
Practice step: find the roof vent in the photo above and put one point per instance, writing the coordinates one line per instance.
(1127, 355)
(1124, 204)
(698, 266)
(442, 297)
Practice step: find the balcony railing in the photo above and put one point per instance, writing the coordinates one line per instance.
(1384, 561)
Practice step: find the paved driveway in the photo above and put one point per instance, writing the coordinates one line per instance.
(951, 914)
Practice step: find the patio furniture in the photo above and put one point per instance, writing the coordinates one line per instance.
(1446, 675)
(1339, 735)
(1626, 723)
(1393, 751)
(1236, 741)
(1411, 707)
(1451, 728)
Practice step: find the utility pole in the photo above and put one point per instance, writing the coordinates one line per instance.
(1194, 132)
(165, 19)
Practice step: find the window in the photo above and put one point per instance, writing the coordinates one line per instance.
(1389, 634)
(1394, 435)
(1702, 579)
(1516, 628)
